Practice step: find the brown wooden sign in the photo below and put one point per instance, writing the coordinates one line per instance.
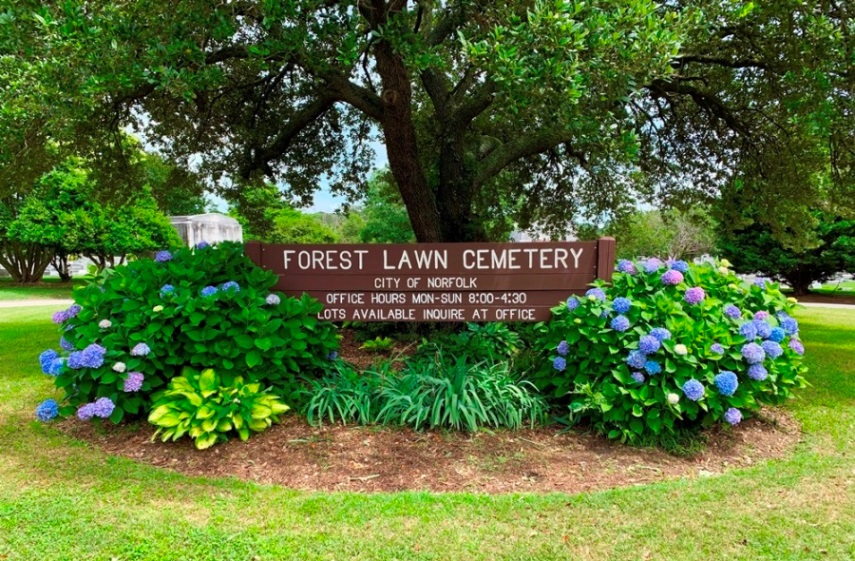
(437, 282)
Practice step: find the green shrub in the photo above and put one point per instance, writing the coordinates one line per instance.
(378, 345)
(344, 395)
(209, 307)
(207, 407)
(479, 342)
(665, 348)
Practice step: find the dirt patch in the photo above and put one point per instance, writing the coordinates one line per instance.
(373, 459)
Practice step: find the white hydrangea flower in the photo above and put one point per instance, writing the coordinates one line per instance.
(105, 324)
(157, 308)
(119, 367)
(681, 350)
(673, 398)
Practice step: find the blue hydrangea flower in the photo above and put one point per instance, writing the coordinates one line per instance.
(47, 410)
(763, 328)
(166, 290)
(671, 277)
(626, 266)
(86, 412)
(332, 356)
(777, 335)
(717, 348)
(681, 266)
(55, 367)
(772, 349)
(797, 346)
(652, 367)
(757, 372)
(694, 295)
(636, 359)
(733, 416)
(638, 377)
(202, 245)
(652, 265)
(732, 311)
(103, 407)
(693, 390)
(73, 310)
(649, 344)
(46, 358)
(760, 281)
(133, 382)
(75, 360)
(140, 349)
(559, 363)
(748, 330)
(596, 293)
(726, 382)
(59, 317)
(660, 333)
(230, 285)
(620, 323)
(272, 300)
(790, 326)
(90, 357)
(621, 305)
(563, 348)
(572, 303)
(162, 256)
(753, 353)
(65, 344)
(209, 291)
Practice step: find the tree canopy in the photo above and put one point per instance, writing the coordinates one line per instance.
(561, 107)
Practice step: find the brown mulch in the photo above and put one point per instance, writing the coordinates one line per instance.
(373, 459)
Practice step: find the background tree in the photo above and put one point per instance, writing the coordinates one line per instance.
(384, 215)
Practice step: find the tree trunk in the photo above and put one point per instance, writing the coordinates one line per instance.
(454, 194)
(25, 262)
(60, 263)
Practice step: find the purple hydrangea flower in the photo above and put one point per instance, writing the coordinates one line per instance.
(652, 265)
(761, 315)
(726, 382)
(133, 382)
(626, 266)
(763, 328)
(272, 300)
(140, 349)
(757, 372)
(671, 277)
(681, 266)
(90, 357)
(693, 389)
(777, 335)
(660, 333)
(733, 416)
(694, 295)
(563, 348)
(46, 358)
(636, 359)
(75, 360)
(559, 363)
(572, 303)
(760, 281)
(162, 256)
(47, 410)
(202, 245)
(621, 305)
(652, 367)
(753, 353)
(166, 290)
(620, 323)
(638, 377)
(597, 293)
(96, 348)
(790, 326)
(717, 348)
(732, 311)
(231, 285)
(209, 291)
(748, 330)
(86, 412)
(103, 407)
(649, 344)
(73, 310)
(797, 346)
(772, 349)
(65, 344)
(59, 317)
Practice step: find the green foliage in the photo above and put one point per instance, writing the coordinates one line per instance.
(293, 226)
(598, 380)
(383, 212)
(490, 342)
(379, 345)
(206, 407)
(671, 233)
(234, 331)
(345, 395)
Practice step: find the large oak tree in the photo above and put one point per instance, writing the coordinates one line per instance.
(529, 109)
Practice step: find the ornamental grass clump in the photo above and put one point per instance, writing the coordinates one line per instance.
(138, 326)
(670, 346)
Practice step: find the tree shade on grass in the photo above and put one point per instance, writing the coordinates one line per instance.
(63, 500)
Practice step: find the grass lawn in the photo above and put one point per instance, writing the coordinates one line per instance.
(61, 499)
(48, 288)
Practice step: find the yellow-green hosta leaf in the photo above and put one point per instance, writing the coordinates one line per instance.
(158, 412)
(243, 433)
(260, 411)
(204, 412)
(208, 425)
(206, 441)
(208, 382)
(238, 421)
(259, 425)
(196, 432)
(168, 420)
(278, 407)
(224, 425)
(194, 398)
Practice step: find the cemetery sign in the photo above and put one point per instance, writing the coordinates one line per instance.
(437, 282)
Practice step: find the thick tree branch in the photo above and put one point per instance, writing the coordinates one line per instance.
(721, 61)
(707, 101)
(529, 145)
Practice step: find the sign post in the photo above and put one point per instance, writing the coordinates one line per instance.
(453, 282)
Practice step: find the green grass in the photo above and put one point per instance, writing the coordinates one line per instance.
(845, 288)
(47, 289)
(62, 499)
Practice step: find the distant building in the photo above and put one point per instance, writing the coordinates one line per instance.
(212, 228)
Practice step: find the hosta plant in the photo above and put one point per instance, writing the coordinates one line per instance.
(207, 408)
(669, 345)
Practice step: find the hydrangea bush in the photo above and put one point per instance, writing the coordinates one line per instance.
(139, 325)
(670, 345)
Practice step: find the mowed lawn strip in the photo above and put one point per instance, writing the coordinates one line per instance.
(61, 499)
(49, 289)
